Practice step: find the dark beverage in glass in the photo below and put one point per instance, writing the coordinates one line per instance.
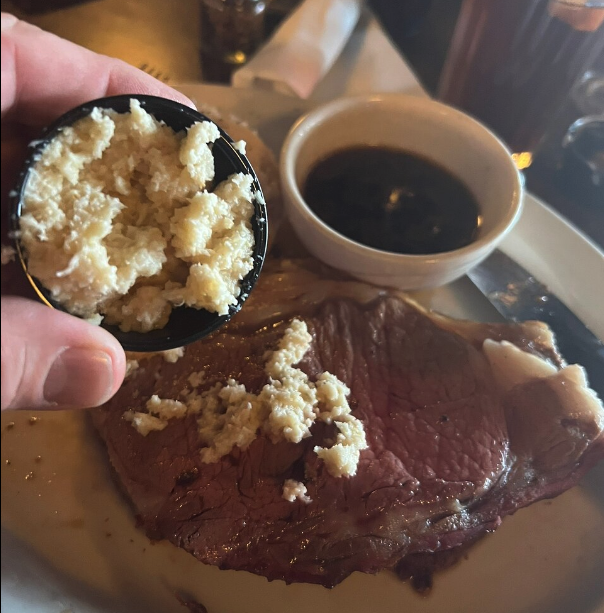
(231, 31)
(512, 63)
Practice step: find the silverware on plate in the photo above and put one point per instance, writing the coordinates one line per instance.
(518, 296)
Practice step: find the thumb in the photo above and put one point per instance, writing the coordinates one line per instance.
(53, 360)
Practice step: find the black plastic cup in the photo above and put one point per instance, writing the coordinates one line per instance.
(186, 324)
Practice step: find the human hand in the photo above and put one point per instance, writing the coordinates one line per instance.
(51, 359)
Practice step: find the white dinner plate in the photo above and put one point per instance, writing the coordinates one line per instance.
(70, 544)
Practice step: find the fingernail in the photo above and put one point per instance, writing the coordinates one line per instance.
(79, 378)
(8, 21)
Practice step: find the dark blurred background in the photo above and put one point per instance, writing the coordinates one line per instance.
(165, 39)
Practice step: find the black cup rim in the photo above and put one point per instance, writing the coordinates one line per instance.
(173, 114)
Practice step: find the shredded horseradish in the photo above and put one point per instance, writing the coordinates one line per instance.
(173, 355)
(294, 490)
(133, 359)
(240, 146)
(131, 367)
(119, 224)
(196, 378)
(7, 254)
(285, 409)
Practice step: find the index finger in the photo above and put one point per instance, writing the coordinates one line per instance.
(43, 76)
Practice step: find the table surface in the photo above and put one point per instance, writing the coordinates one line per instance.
(163, 39)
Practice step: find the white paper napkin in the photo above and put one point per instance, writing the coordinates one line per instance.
(303, 49)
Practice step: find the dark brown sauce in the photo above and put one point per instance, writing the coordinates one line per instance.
(392, 200)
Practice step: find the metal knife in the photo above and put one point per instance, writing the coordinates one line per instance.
(518, 296)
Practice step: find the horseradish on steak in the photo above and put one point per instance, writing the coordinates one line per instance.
(462, 432)
(166, 409)
(118, 222)
(7, 254)
(134, 358)
(294, 490)
(285, 409)
(160, 411)
(195, 379)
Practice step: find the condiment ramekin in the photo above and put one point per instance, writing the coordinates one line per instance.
(185, 324)
(433, 130)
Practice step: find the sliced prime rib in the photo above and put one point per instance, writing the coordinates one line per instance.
(461, 431)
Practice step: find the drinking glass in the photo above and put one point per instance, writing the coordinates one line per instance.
(513, 63)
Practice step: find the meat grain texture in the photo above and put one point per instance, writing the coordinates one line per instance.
(461, 433)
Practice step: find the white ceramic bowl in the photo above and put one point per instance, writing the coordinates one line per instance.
(450, 138)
